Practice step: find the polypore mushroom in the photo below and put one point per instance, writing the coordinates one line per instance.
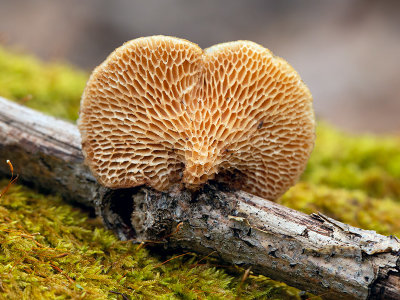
(160, 111)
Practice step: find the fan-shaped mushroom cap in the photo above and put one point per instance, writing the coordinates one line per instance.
(160, 110)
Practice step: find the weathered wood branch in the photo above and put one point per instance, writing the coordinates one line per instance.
(311, 252)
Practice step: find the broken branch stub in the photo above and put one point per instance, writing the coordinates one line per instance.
(314, 252)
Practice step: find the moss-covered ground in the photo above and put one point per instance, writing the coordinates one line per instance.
(52, 250)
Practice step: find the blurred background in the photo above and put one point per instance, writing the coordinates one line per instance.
(347, 51)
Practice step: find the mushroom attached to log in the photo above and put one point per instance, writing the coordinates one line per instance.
(161, 111)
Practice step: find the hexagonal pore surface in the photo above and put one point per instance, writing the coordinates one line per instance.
(160, 111)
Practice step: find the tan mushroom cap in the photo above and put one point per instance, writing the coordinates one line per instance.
(160, 111)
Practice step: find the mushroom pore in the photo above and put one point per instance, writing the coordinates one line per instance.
(161, 111)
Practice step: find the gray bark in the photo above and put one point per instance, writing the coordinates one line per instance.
(311, 252)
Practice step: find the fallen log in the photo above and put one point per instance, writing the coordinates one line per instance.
(311, 252)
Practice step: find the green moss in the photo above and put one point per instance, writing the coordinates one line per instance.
(53, 88)
(354, 207)
(355, 162)
(50, 250)
(351, 178)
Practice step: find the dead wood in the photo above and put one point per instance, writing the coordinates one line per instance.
(311, 252)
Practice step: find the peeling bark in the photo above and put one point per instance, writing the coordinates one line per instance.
(311, 252)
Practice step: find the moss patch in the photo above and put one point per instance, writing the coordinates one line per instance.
(356, 207)
(355, 162)
(50, 87)
(51, 250)
(352, 178)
